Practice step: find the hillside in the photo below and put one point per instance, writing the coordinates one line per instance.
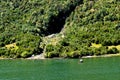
(93, 28)
(25, 25)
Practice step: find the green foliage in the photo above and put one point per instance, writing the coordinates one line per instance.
(113, 51)
(94, 21)
(2, 51)
(74, 54)
(26, 45)
(24, 22)
(51, 54)
(33, 16)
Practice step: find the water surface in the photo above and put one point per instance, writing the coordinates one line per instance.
(61, 69)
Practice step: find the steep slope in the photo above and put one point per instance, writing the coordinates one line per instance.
(92, 29)
(81, 27)
(23, 22)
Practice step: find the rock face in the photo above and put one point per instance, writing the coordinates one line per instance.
(40, 56)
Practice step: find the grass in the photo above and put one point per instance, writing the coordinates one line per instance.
(12, 46)
(109, 47)
(96, 45)
(118, 47)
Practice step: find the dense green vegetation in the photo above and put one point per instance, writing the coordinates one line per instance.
(94, 21)
(24, 23)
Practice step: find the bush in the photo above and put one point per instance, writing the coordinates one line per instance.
(50, 48)
(74, 54)
(100, 51)
(25, 54)
(113, 51)
(107, 42)
(51, 54)
(84, 21)
(2, 51)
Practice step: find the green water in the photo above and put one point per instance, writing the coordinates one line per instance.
(61, 69)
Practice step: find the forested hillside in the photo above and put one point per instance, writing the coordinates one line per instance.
(93, 28)
(90, 27)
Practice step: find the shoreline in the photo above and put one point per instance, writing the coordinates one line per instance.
(106, 55)
(39, 58)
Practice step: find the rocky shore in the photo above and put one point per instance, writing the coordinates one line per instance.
(41, 56)
(107, 55)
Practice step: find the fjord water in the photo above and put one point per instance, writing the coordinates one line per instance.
(61, 69)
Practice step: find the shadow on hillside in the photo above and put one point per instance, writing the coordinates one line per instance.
(56, 23)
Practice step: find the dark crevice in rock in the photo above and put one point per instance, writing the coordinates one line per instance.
(56, 23)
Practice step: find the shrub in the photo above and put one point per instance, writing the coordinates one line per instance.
(24, 54)
(73, 54)
(113, 51)
(49, 48)
(2, 51)
(51, 54)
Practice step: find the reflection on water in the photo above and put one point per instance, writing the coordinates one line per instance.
(61, 69)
